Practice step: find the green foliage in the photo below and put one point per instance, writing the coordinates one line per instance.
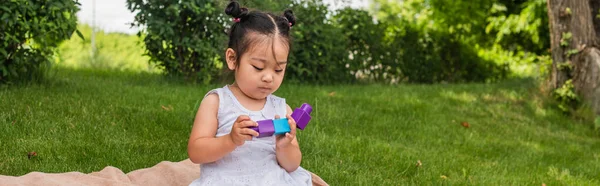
(345, 45)
(565, 39)
(117, 51)
(544, 65)
(465, 19)
(275, 6)
(352, 46)
(426, 51)
(443, 58)
(566, 66)
(184, 38)
(566, 97)
(30, 32)
(421, 41)
(366, 54)
(522, 25)
(318, 53)
(519, 36)
(505, 29)
(571, 52)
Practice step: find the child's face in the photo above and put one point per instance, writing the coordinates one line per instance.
(261, 67)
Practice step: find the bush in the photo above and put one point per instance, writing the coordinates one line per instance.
(366, 54)
(30, 32)
(318, 53)
(184, 37)
(352, 47)
(394, 50)
(344, 46)
(439, 57)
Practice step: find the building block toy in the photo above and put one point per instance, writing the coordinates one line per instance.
(280, 126)
(302, 115)
(265, 128)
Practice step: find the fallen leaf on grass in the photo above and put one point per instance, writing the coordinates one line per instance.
(419, 163)
(444, 177)
(31, 154)
(465, 124)
(332, 93)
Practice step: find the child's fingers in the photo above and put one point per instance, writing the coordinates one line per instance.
(292, 124)
(245, 134)
(289, 117)
(248, 123)
(250, 132)
(246, 137)
(277, 117)
(288, 138)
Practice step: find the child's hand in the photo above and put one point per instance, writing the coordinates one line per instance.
(285, 140)
(240, 132)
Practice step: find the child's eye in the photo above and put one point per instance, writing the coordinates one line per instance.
(257, 68)
(279, 70)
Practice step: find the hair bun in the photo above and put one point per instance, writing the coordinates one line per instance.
(289, 15)
(234, 9)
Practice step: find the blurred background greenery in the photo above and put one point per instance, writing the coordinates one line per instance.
(115, 51)
(385, 41)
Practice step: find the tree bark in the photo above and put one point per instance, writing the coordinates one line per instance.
(595, 7)
(586, 77)
(577, 17)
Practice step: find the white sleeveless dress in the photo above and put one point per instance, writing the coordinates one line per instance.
(253, 163)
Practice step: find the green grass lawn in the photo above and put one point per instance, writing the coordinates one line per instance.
(85, 120)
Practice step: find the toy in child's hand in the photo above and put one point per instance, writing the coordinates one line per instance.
(280, 126)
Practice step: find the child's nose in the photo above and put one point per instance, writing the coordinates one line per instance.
(268, 78)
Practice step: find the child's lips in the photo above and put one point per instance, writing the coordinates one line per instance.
(264, 89)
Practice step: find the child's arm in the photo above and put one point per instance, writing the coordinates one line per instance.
(203, 146)
(288, 150)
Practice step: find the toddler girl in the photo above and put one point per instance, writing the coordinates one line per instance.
(221, 139)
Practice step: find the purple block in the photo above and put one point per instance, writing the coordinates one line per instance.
(265, 128)
(255, 129)
(302, 115)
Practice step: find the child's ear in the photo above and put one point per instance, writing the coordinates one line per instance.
(230, 57)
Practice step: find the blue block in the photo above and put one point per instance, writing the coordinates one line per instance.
(281, 126)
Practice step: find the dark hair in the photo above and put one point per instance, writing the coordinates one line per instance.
(258, 22)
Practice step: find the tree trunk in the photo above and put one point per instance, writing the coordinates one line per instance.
(577, 17)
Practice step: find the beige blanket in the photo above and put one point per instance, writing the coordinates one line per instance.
(163, 173)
